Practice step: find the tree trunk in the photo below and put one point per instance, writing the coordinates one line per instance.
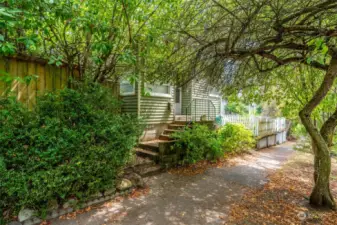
(327, 132)
(321, 195)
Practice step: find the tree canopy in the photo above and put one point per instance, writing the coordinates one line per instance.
(265, 49)
(239, 44)
(96, 36)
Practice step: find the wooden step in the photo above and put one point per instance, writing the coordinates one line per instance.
(176, 126)
(165, 137)
(182, 118)
(171, 131)
(148, 154)
(152, 146)
(181, 122)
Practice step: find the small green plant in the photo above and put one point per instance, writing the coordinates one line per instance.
(299, 131)
(197, 143)
(235, 138)
(74, 144)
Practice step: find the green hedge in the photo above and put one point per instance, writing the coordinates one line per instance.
(236, 138)
(73, 144)
(199, 142)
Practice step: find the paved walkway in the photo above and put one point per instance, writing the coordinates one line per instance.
(200, 199)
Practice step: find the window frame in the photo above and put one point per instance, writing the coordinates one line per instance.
(156, 94)
(127, 93)
(213, 95)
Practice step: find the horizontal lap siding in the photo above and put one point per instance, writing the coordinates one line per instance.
(129, 103)
(200, 89)
(202, 106)
(200, 94)
(155, 110)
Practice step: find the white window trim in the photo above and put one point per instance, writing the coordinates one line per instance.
(128, 93)
(214, 95)
(154, 94)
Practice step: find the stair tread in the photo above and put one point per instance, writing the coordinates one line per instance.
(152, 144)
(147, 152)
(173, 130)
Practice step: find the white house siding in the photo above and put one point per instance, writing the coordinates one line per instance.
(129, 102)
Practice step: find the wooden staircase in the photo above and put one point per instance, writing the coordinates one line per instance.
(159, 150)
(152, 149)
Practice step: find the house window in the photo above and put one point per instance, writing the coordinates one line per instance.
(126, 88)
(161, 90)
(214, 92)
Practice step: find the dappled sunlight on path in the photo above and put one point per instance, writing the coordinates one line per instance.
(199, 199)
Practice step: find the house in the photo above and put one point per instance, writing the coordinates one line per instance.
(160, 105)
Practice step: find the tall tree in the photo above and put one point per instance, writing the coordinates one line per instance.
(237, 44)
(97, 36)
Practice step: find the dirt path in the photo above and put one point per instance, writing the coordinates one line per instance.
(200, 199)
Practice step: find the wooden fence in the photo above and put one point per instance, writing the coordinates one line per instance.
(48, 78)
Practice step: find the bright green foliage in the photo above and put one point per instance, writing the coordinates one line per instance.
(74, 144)
(94, 35)
(236, 138)
(236, 108)
(298, 130)
(197, 143)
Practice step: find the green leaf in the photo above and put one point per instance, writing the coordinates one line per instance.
(325, 49)
(309, 60)
(3, 12)
(58, 63)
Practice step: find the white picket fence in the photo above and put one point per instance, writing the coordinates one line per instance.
(260, 126)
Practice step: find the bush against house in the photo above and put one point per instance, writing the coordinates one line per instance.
(74, 144)
(199, 142)
(235, 138)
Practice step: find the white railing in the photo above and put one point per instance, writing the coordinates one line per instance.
(260, 126)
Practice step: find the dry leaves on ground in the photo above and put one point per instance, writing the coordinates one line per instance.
(284, 200)
(201, 166)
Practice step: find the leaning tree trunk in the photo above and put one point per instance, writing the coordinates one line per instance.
(321, 194)
(327, 132)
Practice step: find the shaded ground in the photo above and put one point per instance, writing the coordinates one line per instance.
(284, 200)
(199, 199)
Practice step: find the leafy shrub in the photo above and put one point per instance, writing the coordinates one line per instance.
(299, 131)
(73, 144)
(197, 143)
(235, 138)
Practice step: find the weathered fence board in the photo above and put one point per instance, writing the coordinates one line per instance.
(50, 78)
